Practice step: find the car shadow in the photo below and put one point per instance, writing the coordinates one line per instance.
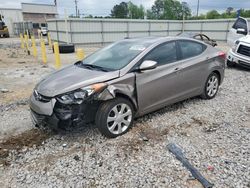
(240, 68)
(91, 129)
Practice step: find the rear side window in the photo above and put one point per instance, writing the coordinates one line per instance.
(240, 23)
(163, 54)
(190, 49)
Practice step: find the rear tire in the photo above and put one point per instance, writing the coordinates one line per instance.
(231, 63)
(211, 87)
(115, 117)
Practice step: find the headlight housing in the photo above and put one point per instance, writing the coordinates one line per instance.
(235, 45)
(78, 96)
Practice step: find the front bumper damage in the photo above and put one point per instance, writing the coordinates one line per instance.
(54, 114)
(49, 111)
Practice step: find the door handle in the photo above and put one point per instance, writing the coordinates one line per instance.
(176, 69)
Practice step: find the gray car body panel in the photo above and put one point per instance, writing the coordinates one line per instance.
(71, 78)
(148, 90)
(42, 108)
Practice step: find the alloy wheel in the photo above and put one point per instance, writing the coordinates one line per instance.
(119, 118)
(212, 86)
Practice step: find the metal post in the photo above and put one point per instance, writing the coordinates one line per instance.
(66, 26)
(57, 35)
(198, 7)
(102, 32)
(127, 29)
(149, 28)
(168, 27)
(228, 23)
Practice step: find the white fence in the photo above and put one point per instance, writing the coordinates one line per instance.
(101, 31)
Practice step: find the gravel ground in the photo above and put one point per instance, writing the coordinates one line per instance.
(215, 135)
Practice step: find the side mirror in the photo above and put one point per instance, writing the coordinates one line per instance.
(148, 65)
(241, 31)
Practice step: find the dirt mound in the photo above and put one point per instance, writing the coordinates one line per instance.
(26, 139)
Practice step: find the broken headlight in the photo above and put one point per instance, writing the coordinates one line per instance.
(78, 96)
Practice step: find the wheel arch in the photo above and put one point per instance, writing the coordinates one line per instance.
(219, 74)
(122, 95)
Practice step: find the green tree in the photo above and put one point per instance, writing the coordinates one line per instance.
(120, 11)
(135, 12)
(168, 9)
(229, 10)
(88, 16)
(245, 13)
(213, 14)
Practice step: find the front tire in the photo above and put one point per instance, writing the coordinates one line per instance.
(211, 87)
(115, 117)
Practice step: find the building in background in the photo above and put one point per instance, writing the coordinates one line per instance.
(31, 16)
(11, 16)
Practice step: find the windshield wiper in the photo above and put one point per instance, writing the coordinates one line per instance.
(93, 67)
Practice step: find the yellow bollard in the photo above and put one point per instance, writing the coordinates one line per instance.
(49, 40)
(34, 46)
(43, 48)
(80, 54)
(57, 55)
(22, 40)
(27, 43)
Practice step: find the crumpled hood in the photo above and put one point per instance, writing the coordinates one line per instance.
(245, 39)
(72, 78)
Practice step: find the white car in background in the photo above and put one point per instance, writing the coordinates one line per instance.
(44, 31)
(239, 39)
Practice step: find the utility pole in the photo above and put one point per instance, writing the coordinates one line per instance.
(76, 8)
(198, 7)
(184, 5)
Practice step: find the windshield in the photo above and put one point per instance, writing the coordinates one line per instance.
(117, 55)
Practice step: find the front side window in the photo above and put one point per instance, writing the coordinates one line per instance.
(190, 49)
(163, 54)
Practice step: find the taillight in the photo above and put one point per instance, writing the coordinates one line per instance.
(222, 55)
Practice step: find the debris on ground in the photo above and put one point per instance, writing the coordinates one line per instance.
(3, 90)
(177, 151)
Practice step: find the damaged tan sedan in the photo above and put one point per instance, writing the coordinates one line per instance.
(127, 79)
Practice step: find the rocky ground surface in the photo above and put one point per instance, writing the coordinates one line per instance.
(214, 135)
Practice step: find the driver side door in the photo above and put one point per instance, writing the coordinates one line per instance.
(160, 86)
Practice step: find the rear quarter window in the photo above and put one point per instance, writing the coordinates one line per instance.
(190, 49)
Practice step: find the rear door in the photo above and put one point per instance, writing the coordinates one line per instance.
(194, 67)
(233, 35)
(155, 88)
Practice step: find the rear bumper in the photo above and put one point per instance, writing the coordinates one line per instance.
(238, 59)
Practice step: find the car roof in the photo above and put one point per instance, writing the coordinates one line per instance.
(158, 39)
(188, 34)
(150, 39)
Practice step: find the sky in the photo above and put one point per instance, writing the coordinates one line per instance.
(103, 7)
